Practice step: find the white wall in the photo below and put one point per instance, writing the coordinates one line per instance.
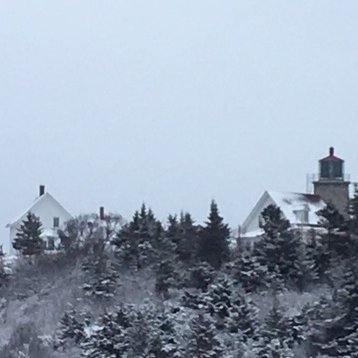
(46, 208)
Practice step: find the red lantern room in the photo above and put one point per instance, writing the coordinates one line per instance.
(331, 167)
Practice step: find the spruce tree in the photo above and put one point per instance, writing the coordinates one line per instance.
(200, 276)
(336, 240)
(187, 246)
(127, 243)
(214, 239)
(218, 300)
(71, 328)
(140, 243)
(109, 339)
(4, 276)
(243, 317)
(202, 341)
(353, 212)
(28, 239)
(340, 326)
(275, 334)
(248, 272)
(280, 247)
(165, 278)
(100, 275)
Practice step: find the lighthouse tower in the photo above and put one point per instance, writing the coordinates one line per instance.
(332, 184)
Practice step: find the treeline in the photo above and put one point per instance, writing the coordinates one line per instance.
(201, 294)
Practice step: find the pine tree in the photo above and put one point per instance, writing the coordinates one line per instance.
(4, 276)
(218, 300)
(187, 246)
(101, 277)
(165, 278)
(28, 239)
(280, 246)
(214, 239)
(243, 317)
(201, 276)
(127, 242)
(109, 338)
(336, 239)
(276, 325)
(141, 242)
(353, 212)
(71, 328)
(275, 334)
(163, 340)
(338, 321)
(248, 272)
(202, 341)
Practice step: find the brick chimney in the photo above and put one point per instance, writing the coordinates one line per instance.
(101, 213)
(41, 190)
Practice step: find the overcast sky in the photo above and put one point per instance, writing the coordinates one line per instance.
(173, 102)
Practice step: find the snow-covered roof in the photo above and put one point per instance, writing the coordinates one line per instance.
(299, 209)
(292, 203)
(37, 201)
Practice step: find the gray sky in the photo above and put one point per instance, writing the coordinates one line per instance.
(173, 102)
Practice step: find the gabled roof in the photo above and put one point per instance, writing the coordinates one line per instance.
(291, 205)
(36, 202)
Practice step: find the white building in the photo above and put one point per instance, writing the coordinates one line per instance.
(52, 216)
(298, 208)
(331, 186)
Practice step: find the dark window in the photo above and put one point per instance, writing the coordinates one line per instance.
(50, 243)
(337, 170)
(325, 170)
(56, 222)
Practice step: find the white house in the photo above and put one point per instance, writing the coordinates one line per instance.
(298, 208)
(52, 216)
(330, 186)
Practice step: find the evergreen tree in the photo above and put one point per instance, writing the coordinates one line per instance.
(336, 241)
(28, 239)
(4, 276)
(202, 341)
(214, 239)
(109, 339)
(275, 335)
(276, 324)
(127, 243)
(201, 276)
(163, 341)
(71, 328)
(243, 317)
(280, 247)
(101, 278)
(165, 278)
(218, 300)
(187, 246)
(336, 322)
(141, 242)
(248, 272)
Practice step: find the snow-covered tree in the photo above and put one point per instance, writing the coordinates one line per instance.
(214, 239)
(243, 317)
(71, 328)
(139, 243)
(100, 275)
(200, 276)
(165, 278)
(202, 341)
(280, 247)
(28, 239)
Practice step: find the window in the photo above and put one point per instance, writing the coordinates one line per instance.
(56, 222)
(50, 243)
